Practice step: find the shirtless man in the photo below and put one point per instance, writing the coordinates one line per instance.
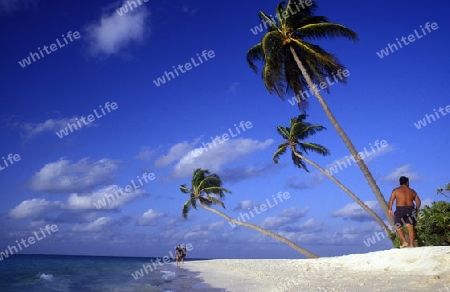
(405, 211)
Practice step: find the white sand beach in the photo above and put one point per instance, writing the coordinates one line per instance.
(409, 269)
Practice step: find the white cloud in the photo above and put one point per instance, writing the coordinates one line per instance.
(309, 225)
(213, 158)
(86, 202)
(175, 153)
(114, 32)
(244, 205)
(95, 226)
(314, 179)
(287, 216)
(354, 212)
(145, 153)
(63, 176)
(33, 208)
(30, 130)
(150, 218)
(404, 170)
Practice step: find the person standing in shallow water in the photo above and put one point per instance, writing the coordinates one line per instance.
(178, 254)
(405, 210)
(184, 254)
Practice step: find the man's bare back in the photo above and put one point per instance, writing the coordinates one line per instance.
(404, 196)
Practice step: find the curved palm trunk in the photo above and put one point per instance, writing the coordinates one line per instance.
(263, 231)
(345, 189)
(376, 190)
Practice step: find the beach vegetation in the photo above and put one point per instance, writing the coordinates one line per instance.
(433, 228)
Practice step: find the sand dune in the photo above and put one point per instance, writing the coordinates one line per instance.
(410, 269)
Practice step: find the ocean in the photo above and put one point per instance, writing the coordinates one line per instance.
(38, 273)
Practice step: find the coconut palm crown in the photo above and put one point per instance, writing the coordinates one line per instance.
(294, 135)
(292, 31)
(206, 188)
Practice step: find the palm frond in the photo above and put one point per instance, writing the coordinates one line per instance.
(282, 148)
(267, 21)
(325, 30)
(298, 161)
(313, 147)
(186, 208)
(184, 189)
(253, 55)
(284, 132)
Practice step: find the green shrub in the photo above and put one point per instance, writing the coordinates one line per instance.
(433, 226)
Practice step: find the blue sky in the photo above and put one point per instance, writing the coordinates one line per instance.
(153, 130)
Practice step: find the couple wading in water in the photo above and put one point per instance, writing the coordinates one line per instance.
(180, 254)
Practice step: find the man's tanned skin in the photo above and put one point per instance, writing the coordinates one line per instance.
(404, 196)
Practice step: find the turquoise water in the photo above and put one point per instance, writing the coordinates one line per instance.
(88, 273)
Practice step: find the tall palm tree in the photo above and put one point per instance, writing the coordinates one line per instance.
(207, 190)
(300, 130)
(293, 64)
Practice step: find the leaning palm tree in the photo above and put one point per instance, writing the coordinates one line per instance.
(207, 190)
(293, 64)
(293, 136)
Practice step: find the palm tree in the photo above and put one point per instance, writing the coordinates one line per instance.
(207, 190)
(292, 64)
(300, 130)
(443, 190)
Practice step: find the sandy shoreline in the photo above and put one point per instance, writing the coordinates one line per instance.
(410, 269)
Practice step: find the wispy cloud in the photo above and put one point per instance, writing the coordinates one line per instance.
(354, 212)
(31, 130)
(215, 158)
(404, 170)
(64, 176)
(287, 216)
(95, 226)
(113, 33)
(175, 153)
(313, 180)
(33, 208)
(145, 153)
(150, 218)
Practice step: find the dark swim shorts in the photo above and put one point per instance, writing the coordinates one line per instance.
(405, 215)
